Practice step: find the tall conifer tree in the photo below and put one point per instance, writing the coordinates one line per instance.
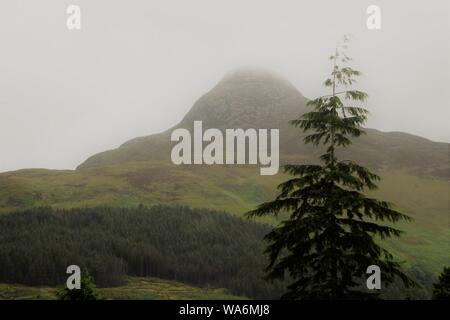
(330, 237)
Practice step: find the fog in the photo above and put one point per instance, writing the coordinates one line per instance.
(136, 67)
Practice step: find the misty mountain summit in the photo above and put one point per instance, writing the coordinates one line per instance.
(248, 98)
(261, 99)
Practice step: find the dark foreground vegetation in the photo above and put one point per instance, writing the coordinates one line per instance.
(198, 247)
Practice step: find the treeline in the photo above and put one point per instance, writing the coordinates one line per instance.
(195, 246)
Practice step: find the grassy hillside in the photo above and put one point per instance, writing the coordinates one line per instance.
(232, 189)
(427, 238)
(135, 289)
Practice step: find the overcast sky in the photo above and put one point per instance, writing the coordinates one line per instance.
(137, 66)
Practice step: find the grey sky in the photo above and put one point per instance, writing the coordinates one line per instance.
(136, 67)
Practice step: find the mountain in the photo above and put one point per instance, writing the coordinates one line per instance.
(246, 98)
(260, 99)
(414, 170)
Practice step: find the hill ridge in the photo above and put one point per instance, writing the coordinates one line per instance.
(253, 97)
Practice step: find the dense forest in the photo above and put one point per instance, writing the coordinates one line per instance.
(196, 246)
(199, 247)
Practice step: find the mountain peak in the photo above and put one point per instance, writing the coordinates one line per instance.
(257, 98)
(253, 74)
(248, 97)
